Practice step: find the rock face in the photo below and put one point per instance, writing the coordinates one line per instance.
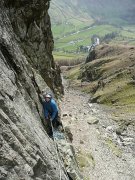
(91, 56)
(26, 67)
(31, 24)
(67, 154)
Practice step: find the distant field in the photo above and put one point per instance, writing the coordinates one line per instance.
(71, 42)
(83, 37)
(60, 55)
(66, 28)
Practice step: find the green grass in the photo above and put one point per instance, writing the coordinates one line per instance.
(62, 29)
(100, 30)
(73, 73)
(83, 37)
(118, 91)
(78, 19)
(128, 34)
(66, 41)
(58, 56)
(126, 96)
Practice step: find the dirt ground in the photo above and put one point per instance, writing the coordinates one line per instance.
(102, 153)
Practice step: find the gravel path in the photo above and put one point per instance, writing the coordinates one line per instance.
(102, 154)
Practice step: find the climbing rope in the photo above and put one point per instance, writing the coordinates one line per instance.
(59, 161)
(56, 149)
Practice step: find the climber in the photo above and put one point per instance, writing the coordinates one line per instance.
(51, 113)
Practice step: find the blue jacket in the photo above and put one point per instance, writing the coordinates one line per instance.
(50, 108)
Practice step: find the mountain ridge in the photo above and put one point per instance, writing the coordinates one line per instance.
(113, 12)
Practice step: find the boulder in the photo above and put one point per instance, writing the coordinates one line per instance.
(92, 120)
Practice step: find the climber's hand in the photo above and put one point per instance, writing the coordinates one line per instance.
(51, 119)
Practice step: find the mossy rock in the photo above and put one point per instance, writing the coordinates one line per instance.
(113, 147)
(85, 160)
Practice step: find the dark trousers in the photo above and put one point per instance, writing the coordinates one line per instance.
(55, 123)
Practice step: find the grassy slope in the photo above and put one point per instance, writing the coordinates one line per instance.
(114, 67)
(67, 18)
(67, 56)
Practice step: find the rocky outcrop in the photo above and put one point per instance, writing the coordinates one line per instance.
(26, 68)
(31, 24)
(104, 51)
(91, 56)
(67, 154)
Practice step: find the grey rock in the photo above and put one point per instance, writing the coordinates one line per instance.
(110, 129)
(81, 142)
(70, 115)
(92, 120)
(67, 153)
(115, 136)
(65, 115)
(68, 133)
(26, 67)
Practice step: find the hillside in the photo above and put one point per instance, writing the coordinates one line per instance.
(112, 12)
(109, 77)
(100, 103)
(75, 23)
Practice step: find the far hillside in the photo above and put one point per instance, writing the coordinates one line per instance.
(107, 11)
(76, 23)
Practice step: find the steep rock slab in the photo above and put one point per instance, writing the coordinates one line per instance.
(26, 152)
(31, 24)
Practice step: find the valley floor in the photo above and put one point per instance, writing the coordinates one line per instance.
(101, 153)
